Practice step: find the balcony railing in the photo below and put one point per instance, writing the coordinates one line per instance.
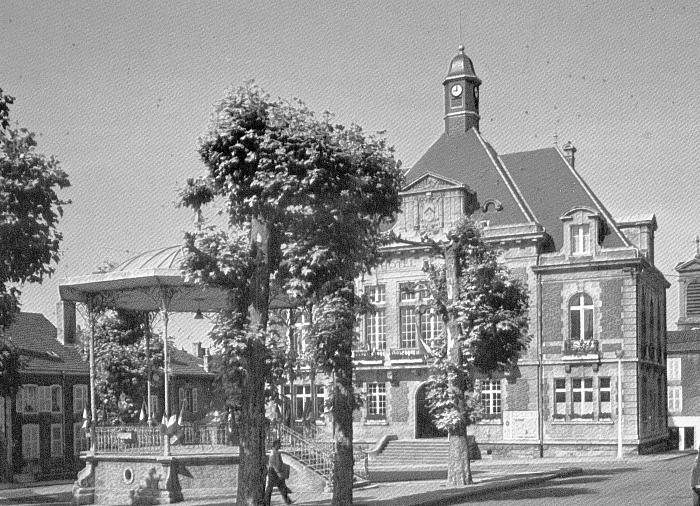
(580, 348)
(368, 355)
(406, 354)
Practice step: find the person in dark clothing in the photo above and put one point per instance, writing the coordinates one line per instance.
(276, 476)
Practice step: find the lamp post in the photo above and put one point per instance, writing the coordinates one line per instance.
(619, 354)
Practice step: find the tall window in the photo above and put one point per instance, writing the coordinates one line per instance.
(431, 326)
(27, 399)
(675, 399)
(673, 369)
(80, 440)
(80, 398)
(56, 440)
(491, 397)
(582, 397)
(320, 399)
(559, 398)
(302, 400)
(409, 327)
(605, 409)
(30, 441)
(188, 398)
(376, 400)
(56, 399)
(580, 239)
(581, 317)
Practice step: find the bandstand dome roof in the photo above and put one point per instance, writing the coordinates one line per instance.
(141, 282)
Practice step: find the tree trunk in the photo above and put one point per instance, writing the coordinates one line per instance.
(252, 468)
(458, 463)
(342, 424)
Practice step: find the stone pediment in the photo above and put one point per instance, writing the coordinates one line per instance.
(429, 182)
(692, 265)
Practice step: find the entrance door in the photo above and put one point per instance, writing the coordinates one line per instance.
(689, 438)
(425, 426)
(674, 438)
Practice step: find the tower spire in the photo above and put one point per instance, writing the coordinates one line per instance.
(461, 95)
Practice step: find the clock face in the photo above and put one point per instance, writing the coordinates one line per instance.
(456, 90)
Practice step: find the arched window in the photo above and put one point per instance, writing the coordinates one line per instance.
(581, 317)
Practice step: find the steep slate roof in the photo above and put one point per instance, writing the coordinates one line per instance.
(683, 340)
(552, 187)
(35, 336)
(465, 157)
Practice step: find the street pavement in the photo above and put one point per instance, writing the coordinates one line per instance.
(644, 480)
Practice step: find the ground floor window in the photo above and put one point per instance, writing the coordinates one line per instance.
(188, 399)
(582, 398)
(491, 398)
(675, 399)
(376, 400)
(305, 406)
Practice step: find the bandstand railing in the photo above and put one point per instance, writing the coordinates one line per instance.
(145, 440)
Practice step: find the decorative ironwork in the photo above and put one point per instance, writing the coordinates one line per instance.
(581, 347)
(368, 355)
(406, 354)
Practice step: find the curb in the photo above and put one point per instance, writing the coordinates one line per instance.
(497, 484)
(34, 484)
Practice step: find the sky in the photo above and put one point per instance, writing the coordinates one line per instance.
(120, 92)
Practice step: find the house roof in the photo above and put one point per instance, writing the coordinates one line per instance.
(35, 337)
(465, 157)
(186, 364)
(552, 187)
(680, 341)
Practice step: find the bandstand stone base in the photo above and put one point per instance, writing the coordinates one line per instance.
(149, 479)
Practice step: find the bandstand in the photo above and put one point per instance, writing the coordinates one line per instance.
(138, 464)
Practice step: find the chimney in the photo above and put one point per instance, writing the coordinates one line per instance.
(206, 358)
(65, 322)
(569, 153)
(198, 350)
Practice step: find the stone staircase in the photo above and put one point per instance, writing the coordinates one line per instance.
(412, 459)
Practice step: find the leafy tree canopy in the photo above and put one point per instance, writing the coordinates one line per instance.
(29, 212)
(486, 323)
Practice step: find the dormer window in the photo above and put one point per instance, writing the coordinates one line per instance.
(581, 239)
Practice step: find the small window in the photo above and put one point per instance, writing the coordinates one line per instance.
(604, 398)
(675, 399)
(56, 440)
(580, 240)
(376, 293)
(376, 400)
(491, 397)
(673, 369)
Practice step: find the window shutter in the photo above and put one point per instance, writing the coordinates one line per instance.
(181, 396)
(693, 299)
(44, 399)
(195, 403)
(19, 402)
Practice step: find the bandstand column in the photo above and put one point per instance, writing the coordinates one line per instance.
(166, 372)
(92, 316)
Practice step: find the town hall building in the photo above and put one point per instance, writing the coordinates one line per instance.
(593, 377)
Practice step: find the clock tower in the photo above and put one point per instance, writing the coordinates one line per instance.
(461, 95)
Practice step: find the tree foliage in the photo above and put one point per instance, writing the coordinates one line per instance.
(29, 212)
(304, 198)
(486, 323)
(122, 364)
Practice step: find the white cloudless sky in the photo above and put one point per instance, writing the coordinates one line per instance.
(120, 92)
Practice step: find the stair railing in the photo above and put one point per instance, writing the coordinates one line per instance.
(307, 452)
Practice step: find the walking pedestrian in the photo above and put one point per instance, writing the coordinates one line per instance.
(277, 473)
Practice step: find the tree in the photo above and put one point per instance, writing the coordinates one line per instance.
(485, 314)
(304, 200)
(29, 212)
(125, 351)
